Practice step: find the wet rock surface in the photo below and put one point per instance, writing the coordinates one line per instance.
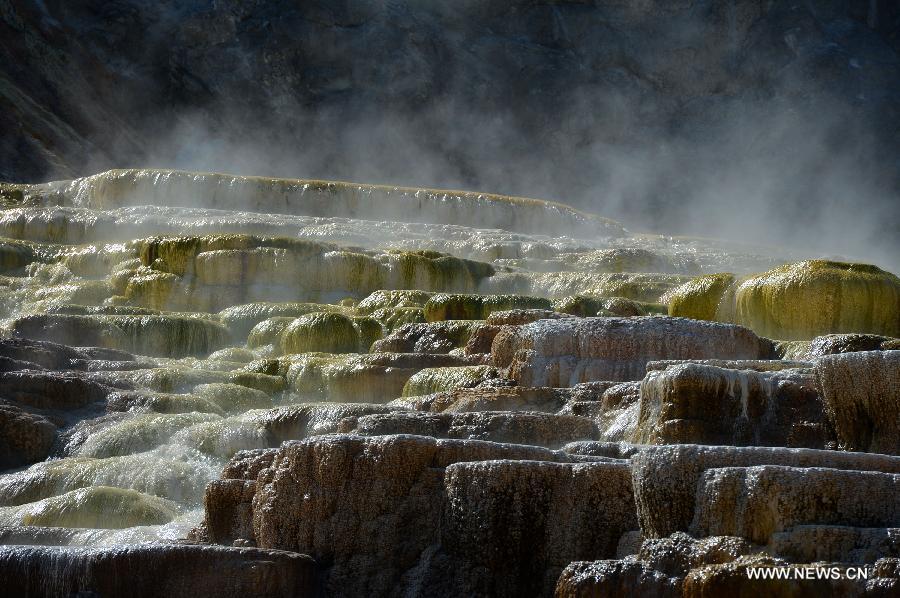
(316, 404)
(158, 570)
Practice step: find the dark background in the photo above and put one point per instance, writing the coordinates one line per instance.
(768, 121)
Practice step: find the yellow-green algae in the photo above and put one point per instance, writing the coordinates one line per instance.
(321, 332)
(700, 298)
(234, 354)
(638, 286)
(12, 195)
(431, 380)
(347, 377)
(15, 255)
(806, 299)
(207, 273)
(224, 437)
(384, 299)
(268, 332)
(329, 333)
(259, 381)
(173, 378)
(628, 259)
(445, 306)
(168, 335)
(233, 398)
(434, 271)
(161, 402)
(100, 507)
(241, 319)
(395, 317)
(101, 310)
(792, 350)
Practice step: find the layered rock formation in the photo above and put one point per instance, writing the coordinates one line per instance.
(301, 404)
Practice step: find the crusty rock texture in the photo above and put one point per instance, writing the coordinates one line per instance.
(518, 523)
(416, 514)
(540, 429)
(252, 385)
(568, 351)
(367, 508)
(666, 478)
(25, 438)
(162, 570)
(756, 502)
(703, 404)
(861, 392)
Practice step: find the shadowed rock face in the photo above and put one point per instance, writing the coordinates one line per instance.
(861, 392)
(694, 403)
(394, 512)
(517, 523)
(666, 478)
(158, 570)
(682, 566)
(756, 502)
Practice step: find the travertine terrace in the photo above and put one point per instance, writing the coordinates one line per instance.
(247, 386)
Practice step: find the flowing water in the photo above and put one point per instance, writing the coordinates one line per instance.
(235, 313)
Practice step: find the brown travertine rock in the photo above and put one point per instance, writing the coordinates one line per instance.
(518, 523)
(430, 337)
(488, 398)
(677, 554)
(229, 510)
(596, 579)
(835, 543)
(294, 422)
(53, 356)
(366, 508)
(666, 477)
(155, 570)
(228, 501)
(861, 392)
(629, 544)
(730, 579)
(755, 365)
(481, 340)
(619, 411)
(756, 502)
(246, 465)
(831, 344)
(159, 402)
(613, 450)
(703, 404)
(25, 438)
(567, 351)
(593, 391)
(517, 317)
(540, 429)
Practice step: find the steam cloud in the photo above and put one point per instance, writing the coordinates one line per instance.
(731, 136)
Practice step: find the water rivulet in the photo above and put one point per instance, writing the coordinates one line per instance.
(247, 386)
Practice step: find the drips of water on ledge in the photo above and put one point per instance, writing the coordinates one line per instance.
(222, 385)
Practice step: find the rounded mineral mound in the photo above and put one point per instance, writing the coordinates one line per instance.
(803, 300)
